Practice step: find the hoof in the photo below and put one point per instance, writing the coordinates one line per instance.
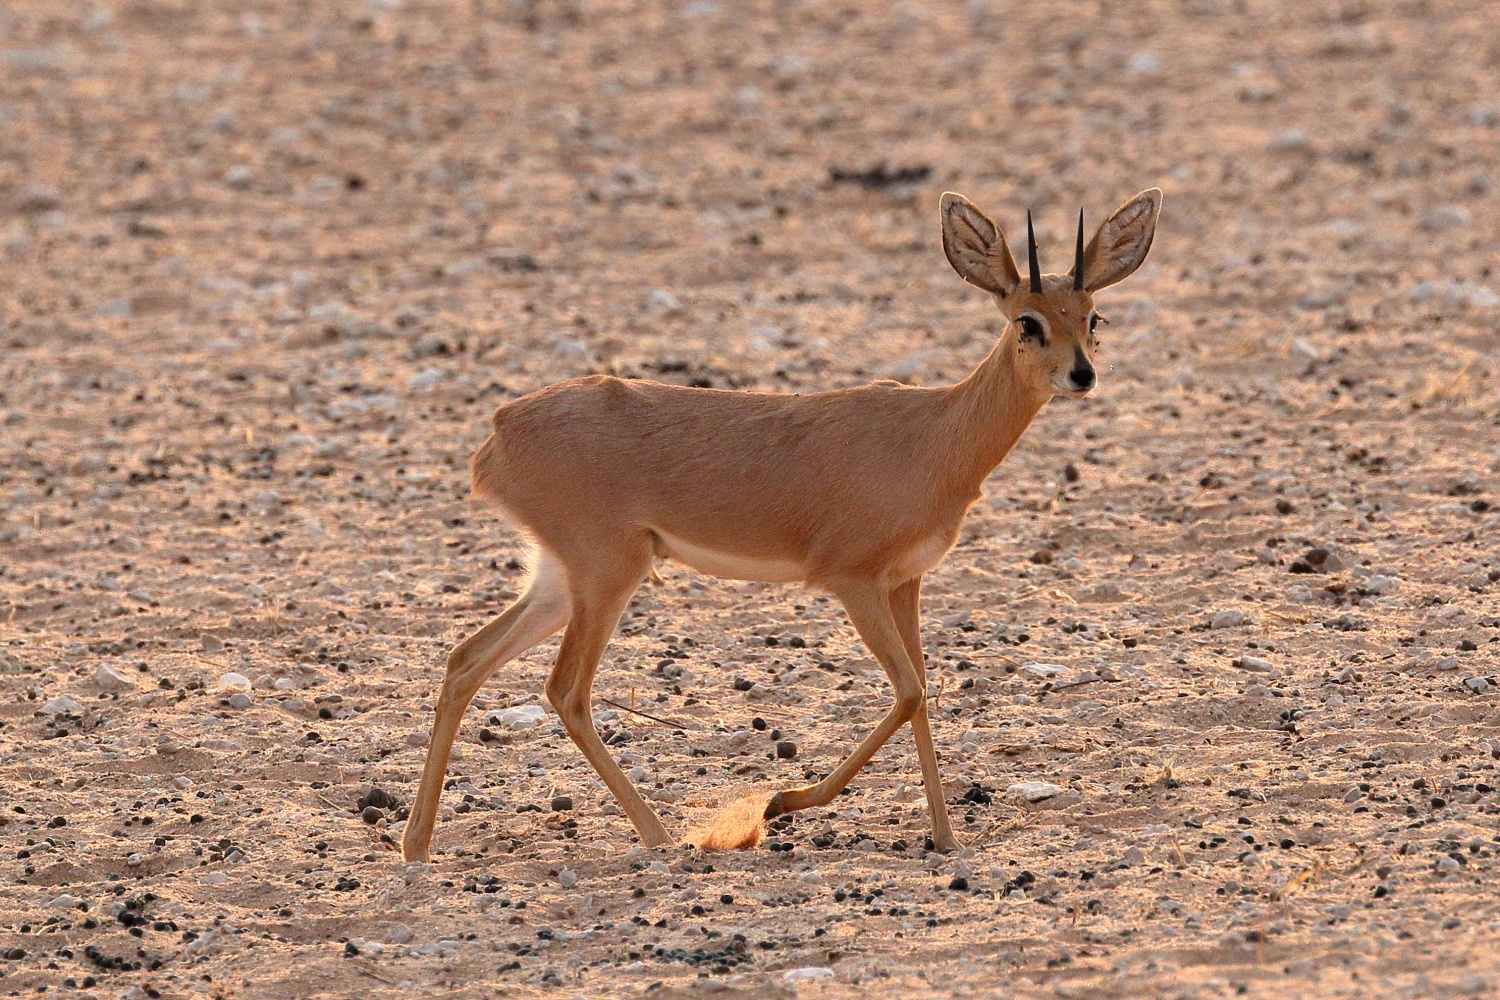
(774, 807)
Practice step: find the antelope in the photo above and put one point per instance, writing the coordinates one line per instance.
(857, 492)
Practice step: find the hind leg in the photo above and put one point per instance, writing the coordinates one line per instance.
(537, 613)
(599, 594)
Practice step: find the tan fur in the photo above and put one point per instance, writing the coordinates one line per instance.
(859, 491)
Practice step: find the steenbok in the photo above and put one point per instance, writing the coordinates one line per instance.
(857, 491)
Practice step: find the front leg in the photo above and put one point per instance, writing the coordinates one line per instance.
(906, 610)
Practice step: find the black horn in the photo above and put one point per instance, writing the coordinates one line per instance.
(1036, 269)
(1078, 257)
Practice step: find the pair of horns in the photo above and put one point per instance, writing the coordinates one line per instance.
(1036, 268)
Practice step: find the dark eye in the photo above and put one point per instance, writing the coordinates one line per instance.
(1031, 329)
(1093, 322)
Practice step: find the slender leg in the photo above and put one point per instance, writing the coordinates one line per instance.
(869, 609)
(905, 608)
(536, 614)
(597, 605)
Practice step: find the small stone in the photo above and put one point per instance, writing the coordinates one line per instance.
(959, 884)
(562, 803)
(662, 301)
(371, 815)
(63, 902)
(1033, 791)
(399, 934)
(210, 643)
(811, 878)
(1353, 795)
(214, 878)
(518, 717)
(1472, 984)
(241, 699)
(233, 682)
(567, 878)
(62, 705)
(1478, 685)
(1254, 663)
(809, 974)
(1445, 217)
(1228, 618)
(415, 739)
(134, 861)
(110, 679)
(786, 750)
(379, 798)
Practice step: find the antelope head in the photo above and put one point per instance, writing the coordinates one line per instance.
(1051, 317)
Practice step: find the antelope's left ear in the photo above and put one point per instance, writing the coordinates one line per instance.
(1121, 244)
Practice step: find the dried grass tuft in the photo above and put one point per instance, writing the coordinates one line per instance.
(738, 826)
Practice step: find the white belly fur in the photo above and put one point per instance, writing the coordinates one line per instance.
(726, 564)
(920, 558)
(912, 563)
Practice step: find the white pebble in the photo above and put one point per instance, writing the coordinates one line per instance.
(110, 679)
(1033, 791)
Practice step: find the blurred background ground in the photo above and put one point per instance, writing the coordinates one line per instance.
(269, 265)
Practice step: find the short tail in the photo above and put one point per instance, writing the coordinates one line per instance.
(485, 469)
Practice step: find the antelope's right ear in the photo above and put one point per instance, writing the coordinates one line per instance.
(976, 247)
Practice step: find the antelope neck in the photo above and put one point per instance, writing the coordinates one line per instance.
(989, 411)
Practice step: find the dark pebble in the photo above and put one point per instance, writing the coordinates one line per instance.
(743, 684)
(15, 954)
(786, 750)
(349, 950)
(758, 724)
(372, 815)
(379, 798)
(959, 884)
(562, 803)
(726, 899)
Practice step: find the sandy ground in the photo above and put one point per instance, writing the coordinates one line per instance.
(269, 265)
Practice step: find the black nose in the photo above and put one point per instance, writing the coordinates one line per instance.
(1083, 377)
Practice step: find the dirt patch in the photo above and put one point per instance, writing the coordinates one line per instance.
(270, 266)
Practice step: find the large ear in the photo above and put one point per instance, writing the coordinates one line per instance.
(1121, 243)
(976, 247)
